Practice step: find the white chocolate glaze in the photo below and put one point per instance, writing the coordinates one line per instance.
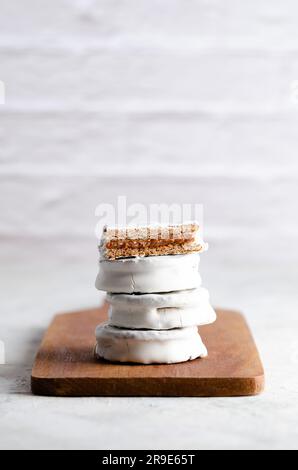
(148, 346)
(161, 311)
(148, 275)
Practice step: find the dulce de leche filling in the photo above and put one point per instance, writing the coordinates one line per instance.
(153, 243)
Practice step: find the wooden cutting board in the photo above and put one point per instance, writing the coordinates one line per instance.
(65, 365)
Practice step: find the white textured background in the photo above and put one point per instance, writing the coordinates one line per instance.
(162, 101)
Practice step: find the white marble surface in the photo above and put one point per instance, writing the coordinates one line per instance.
(31, 294)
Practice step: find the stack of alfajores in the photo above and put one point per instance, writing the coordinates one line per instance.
(151, 276)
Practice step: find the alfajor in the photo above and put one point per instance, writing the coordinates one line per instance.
(148, 346)
(161, 311)
(149, 274)
(152, 240)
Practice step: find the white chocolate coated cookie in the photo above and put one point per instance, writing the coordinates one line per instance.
(149, 275)
(148, 346)
(161, 311)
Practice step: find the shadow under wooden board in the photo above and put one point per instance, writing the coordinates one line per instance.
(65, 365)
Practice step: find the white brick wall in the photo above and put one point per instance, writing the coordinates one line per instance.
(169, 100)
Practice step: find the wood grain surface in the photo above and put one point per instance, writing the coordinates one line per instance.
(65, 364)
